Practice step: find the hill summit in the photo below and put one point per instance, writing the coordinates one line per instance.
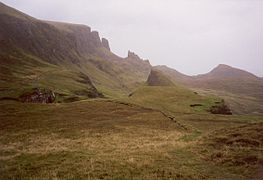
(225, 71)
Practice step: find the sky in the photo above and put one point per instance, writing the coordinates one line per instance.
(191, 36)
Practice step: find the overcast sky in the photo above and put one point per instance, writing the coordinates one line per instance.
(192, 36)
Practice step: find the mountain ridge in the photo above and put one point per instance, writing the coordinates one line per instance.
(226, 71)
(58, 45)
(82, 63)
(221, 72)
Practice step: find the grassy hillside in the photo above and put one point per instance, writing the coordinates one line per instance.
(159, 92)
(239, 104)
(106, 139)
(237, 146)
(172, 99)
(145, 123)
(21, 73)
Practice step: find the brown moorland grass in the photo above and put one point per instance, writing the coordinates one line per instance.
(101, 139)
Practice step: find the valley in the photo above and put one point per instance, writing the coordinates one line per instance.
(72, 109)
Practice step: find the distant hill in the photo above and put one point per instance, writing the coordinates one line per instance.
(233, 80)
(243, 90)
(225, 71)
(223, 78)
(67, 58)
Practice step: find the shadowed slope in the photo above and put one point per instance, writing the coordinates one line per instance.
(157, 78)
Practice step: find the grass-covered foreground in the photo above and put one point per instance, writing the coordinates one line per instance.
(102, 139)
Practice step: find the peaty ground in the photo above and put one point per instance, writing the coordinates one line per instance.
(101, 139)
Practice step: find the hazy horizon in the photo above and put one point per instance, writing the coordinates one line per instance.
(190, 36)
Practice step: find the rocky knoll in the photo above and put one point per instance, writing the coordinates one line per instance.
(157, 78)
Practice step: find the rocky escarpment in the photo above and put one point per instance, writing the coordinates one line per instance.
(141, 65)
(105, 43)
(53, 42)
(132, 55)
(38, 96)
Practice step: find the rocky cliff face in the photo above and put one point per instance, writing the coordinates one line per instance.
(53, 42)
(132, 55)
(134, 58)
(105, 43)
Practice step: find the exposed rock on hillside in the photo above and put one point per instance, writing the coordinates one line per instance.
(105, 43)
(54, 42)
(95, 38)
(135, 59)
(38, 96)
(221, 108)
(132, 55)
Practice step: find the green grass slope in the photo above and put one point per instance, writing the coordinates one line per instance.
(22, 73)
(161, 93)
(172, 99)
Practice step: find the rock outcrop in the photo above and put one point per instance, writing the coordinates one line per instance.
(220, 108)
(38, 96)
(95, 38)
(105, 43)
(132, 55)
